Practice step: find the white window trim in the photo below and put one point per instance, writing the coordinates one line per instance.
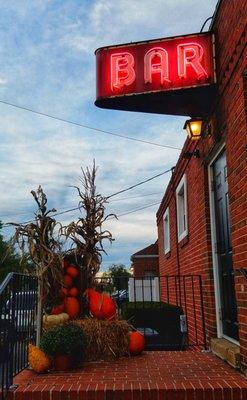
(181, 184)
(167, 215)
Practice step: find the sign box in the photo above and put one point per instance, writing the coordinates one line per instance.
(148, 76)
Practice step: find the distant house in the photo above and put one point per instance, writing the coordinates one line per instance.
(145, 263)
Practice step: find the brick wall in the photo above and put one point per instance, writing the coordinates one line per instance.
(145, 264)
(229, 125)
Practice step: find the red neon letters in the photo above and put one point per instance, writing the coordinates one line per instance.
(190, 54)
(158, 65)
(156, 61)
(122, 70)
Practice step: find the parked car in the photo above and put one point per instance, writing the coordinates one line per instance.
(120, 296)
(19, 310)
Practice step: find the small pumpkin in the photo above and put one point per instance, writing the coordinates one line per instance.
(136, 343)
(72, 307)
(73, 292)
(62, 363)
(64, 292)
(37, 359)
(49, 321)
(72, 271)
(68, 281)
(57, 309)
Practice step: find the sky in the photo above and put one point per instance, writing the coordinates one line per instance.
(48, 64)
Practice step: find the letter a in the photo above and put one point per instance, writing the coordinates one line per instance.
(190, 54)
(160, 66)
(122, 70)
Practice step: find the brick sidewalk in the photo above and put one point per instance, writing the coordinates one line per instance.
(152, 376)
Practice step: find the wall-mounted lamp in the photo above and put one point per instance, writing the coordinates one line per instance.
(193, 128)
(190, 154)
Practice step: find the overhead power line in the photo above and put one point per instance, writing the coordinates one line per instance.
(140, 183)
(136, 197)
(66, 208)
(110, 196)
(86, 126)
(138, 209)
(119, 215)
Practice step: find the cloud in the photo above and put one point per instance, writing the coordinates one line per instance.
(48, 64)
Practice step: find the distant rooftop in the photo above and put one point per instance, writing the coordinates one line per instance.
(151, 250)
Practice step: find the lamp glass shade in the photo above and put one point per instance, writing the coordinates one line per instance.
(194, 128)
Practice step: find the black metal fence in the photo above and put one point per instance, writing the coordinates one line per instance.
(169, 310)
(18, 302)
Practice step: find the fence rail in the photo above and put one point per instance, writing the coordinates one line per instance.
(183, 291)
(18, 301)
(169, 310)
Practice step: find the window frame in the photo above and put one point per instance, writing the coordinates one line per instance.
(166, 217)
(182, 185)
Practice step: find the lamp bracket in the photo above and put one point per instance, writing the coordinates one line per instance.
(190, 154)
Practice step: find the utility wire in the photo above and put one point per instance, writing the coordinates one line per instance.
(136, 197)
(65, 208)
(138, 209)
(108, 197)
(140, 183)
(87, 126)
(119, 215)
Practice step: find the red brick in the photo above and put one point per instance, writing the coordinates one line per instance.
(229, 119)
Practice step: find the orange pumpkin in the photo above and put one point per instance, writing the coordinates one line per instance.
(57, 309)
(72, 307)
(68, 281)
(73, 292)
(101, 306)
(136, 343)
(64, 292)
(37, 359)
(72, 271)
(62, 363)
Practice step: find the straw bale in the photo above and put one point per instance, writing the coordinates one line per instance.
(106, 340)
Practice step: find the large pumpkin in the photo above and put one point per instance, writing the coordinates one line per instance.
(101, 306)
(136, 343)
(72, 307)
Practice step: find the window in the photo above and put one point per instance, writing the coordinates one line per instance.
(166, 231)
(181, 199)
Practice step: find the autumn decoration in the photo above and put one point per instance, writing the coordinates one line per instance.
(101, 306)
(106, 340)
(50, 321)
(37, 359)
(75, 321)
(67, 340)
(136, 342)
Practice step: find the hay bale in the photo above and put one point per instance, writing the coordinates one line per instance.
(105, 339)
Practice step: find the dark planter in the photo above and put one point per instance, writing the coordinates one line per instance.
(62, 363)
(160, 325)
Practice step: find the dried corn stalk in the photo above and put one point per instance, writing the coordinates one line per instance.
(41, 239)
(87, 234)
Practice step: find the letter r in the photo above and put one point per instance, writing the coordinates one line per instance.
(190, 54)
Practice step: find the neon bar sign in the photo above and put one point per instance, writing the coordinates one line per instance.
(158, 65)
